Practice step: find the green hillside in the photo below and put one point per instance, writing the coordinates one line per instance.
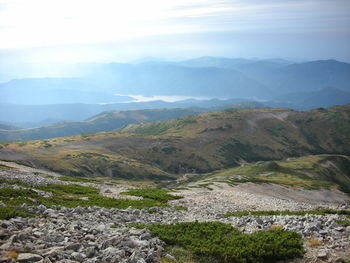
(105, 121)
(194, 144)
(309, 172)
(109, 121)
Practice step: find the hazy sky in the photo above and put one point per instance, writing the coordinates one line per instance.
(111, 30)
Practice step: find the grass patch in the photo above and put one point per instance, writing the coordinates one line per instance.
(226, 244)
(78, 179)
(309, 172)
(343, 222)
(16, 197)
(71, 196)
(10, 212)
(4, 167)
(77, 195)
(287, 213)
(182, 255)
(204, 185)
(13, 254)
(152, 193)
(314, 242)
(3, 181)
(72, 189)
(180, 208)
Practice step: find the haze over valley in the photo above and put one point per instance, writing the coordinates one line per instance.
(207, 80)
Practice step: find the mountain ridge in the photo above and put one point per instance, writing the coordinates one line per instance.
(192, 144)
(108, 121)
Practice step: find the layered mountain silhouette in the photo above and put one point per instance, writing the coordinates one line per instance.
(275, 82)
(207, 76)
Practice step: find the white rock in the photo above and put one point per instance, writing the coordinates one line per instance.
(29, 257)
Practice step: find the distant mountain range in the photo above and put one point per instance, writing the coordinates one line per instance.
(8, 127)
(33, 116)
(316, 99)
(276, 82)
(221, 62)
(206, 76)
(29, 116)
(54, 91)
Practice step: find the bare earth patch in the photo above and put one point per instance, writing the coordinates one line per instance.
(219, 198)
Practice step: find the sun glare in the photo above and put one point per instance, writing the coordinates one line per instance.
(57, 22)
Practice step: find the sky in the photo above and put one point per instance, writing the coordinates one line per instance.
(37, 32)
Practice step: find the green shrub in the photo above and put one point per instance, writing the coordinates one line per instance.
(16, 197)
(70, 196)
(74, 189)
(227, 244)
(3, 181)
(10, 212)
(343, 222)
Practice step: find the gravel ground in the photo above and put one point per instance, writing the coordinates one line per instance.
(85, 234)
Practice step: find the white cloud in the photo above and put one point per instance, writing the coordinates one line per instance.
(27, 23)
(62, 24)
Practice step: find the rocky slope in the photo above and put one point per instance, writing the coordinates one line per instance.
(84, 234)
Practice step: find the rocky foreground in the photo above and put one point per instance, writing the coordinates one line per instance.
(94, 234)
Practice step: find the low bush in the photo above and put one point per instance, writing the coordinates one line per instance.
(16, 197)
(3, 181)
(343, 222)
(227, 244)
(10, 212)
(71, 196)
(77, 195)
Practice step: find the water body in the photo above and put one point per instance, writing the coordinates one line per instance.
(142, 98)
